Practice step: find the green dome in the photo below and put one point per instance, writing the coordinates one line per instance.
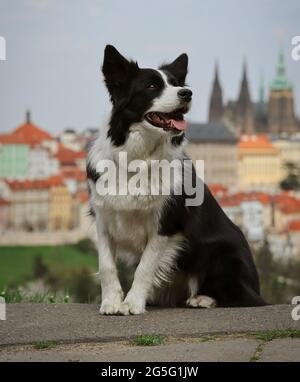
(281, 83)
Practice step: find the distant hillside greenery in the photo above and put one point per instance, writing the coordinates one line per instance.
(53, 273)
(66, 273)
(279, 280)
(16, 263)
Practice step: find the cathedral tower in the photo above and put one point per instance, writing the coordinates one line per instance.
(244, 114)
(281, 102)
(216, 109)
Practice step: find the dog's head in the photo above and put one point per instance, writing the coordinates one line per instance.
(154, 99)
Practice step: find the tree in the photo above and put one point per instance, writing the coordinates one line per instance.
(272, 288)
(292, 181)
(40, 269)
(83, 286)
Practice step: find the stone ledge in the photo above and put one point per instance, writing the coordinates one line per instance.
(75, 323)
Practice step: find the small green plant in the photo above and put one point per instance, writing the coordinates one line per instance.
(258, 351)
(51, 299)
(269, 335)
(207, 338)
(147, 340)
(44, 345)
(12, 296)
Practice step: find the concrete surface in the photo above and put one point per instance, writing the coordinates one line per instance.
(81, 334)
(73, 323)
(228, 350)
(281, 350)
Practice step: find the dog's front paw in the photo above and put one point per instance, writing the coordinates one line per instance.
(132, 305)
(111, 304)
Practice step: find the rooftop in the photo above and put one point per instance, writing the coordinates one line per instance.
(210, 132)
(25, 185)
(27, 133)
(74, 173)
(294, 226)
(256, 142)
(281, 82)
(68, 156)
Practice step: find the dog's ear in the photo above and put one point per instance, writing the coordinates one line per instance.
(178, 68)
(117, 71)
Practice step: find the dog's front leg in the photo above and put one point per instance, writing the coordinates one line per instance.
(135, 301)
(111, 290)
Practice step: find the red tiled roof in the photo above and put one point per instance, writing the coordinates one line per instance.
(23, 185)
(67, 156)
(231, 200)
(287, 204)
(9, 139)
(29, 130)
(74, 173)
(261, 197)
(83, 196)
(27, 133)
(294, 226)
(218, 189)
(290, 209)
(237, 198)
(4, 202)
(256, 142)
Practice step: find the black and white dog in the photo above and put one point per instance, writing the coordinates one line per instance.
(184, 255)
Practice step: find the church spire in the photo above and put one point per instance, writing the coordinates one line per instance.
(244, 95)
(261, 96)
(281, 64)
(281, 82)
(28, 116)
(216, 100)
(245, 112)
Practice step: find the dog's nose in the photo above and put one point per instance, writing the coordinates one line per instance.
(185, 94)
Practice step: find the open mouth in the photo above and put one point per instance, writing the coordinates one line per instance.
(168, 121)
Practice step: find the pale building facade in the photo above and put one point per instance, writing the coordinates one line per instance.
(217, 147)
(41, 164)
(259, 163)
(289, 152)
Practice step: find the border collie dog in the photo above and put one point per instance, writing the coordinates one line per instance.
(183, 255)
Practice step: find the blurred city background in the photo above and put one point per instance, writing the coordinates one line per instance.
(244, 124)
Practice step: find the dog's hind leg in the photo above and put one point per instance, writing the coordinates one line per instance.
(196, 300)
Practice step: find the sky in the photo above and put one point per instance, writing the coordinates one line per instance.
(55, 50)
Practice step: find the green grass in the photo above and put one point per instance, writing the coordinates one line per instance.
(15, 296)
(147, 340)
(258, 351)
(269, 335)
(44, 345)
(16, 263)
(207, 338)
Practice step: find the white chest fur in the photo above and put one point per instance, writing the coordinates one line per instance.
(131, 220)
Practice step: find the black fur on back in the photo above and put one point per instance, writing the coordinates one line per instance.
(215, 251)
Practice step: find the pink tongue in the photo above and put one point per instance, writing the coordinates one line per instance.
(179, 125)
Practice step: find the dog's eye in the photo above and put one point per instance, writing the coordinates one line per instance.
(152, 86)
